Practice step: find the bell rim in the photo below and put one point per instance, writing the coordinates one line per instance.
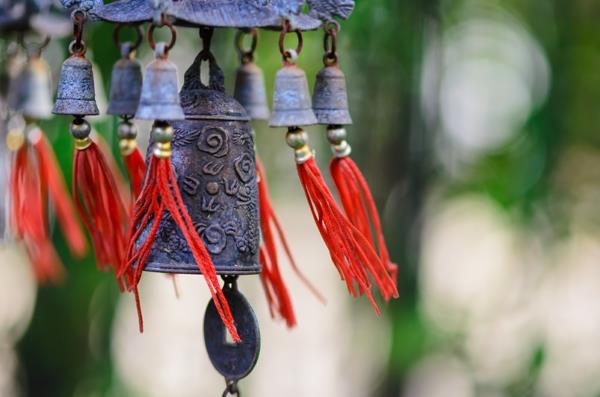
(333, 116)
(64, 106)
(293, 118)
(187, 268)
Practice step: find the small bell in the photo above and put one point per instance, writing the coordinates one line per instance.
(160, 96)
(330, 99)
(249, 88)
(76, 94)
(291, 99)
(250, 91)
(126, 84)
(31, 95)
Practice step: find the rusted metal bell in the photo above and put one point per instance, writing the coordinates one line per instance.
(213, 157)
(126, 84)
(291, 99)
(250, 91)
(76, 94)
(330, 99)
(31, 95)
(160, 96)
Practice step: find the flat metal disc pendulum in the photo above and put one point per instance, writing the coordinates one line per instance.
(232, 360)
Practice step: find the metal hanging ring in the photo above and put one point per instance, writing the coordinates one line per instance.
(77, 46)
(246, 55)
(169, 25)
(289, 55)
(330, 43)
(138, 39)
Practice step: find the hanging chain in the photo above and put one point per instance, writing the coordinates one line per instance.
(289, 56)
(246, 55)
(331, 29)
(232, 389)
(77, 46)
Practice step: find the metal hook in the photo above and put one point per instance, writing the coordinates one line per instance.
(246, 55)
(169, 25)
(288, 55)
(138, 40)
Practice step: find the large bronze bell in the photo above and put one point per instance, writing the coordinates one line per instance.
(291, 99)
(330, 98)
(159, 99)
(126, 84)
(213, 158)
(31, 93)
(76, 94)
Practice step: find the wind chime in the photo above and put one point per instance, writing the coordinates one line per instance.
(202, 202)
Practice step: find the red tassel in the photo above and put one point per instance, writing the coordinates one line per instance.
(59, 195)
(100, 205)
(160, 193)
(107, 152)
(278, 297)
(351, 252)
(359, 206)
(29, 217)
(136, 167)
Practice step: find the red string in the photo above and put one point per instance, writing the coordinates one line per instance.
(60, 197)
(136, 167)
(29, 217)
(359, 206)
(101, 207)
(278, 297)
(352, 254)
(160, 193)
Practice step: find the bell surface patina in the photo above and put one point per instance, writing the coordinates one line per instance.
(291, 99)
(126, 86)
(213, 158)
(76, 94)
(330, 98)
(31, 93)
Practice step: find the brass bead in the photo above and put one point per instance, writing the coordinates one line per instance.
(162, 133)
(15, 139)
(337, 138)
(297, 139)
(80, 129)
(127, 146)
(335, 135)
(82, 144)
(127, 130)
(162, 150)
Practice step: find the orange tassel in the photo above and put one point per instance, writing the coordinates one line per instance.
(278, 297)
(160, 193)
(100, 204)
(359, 206)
